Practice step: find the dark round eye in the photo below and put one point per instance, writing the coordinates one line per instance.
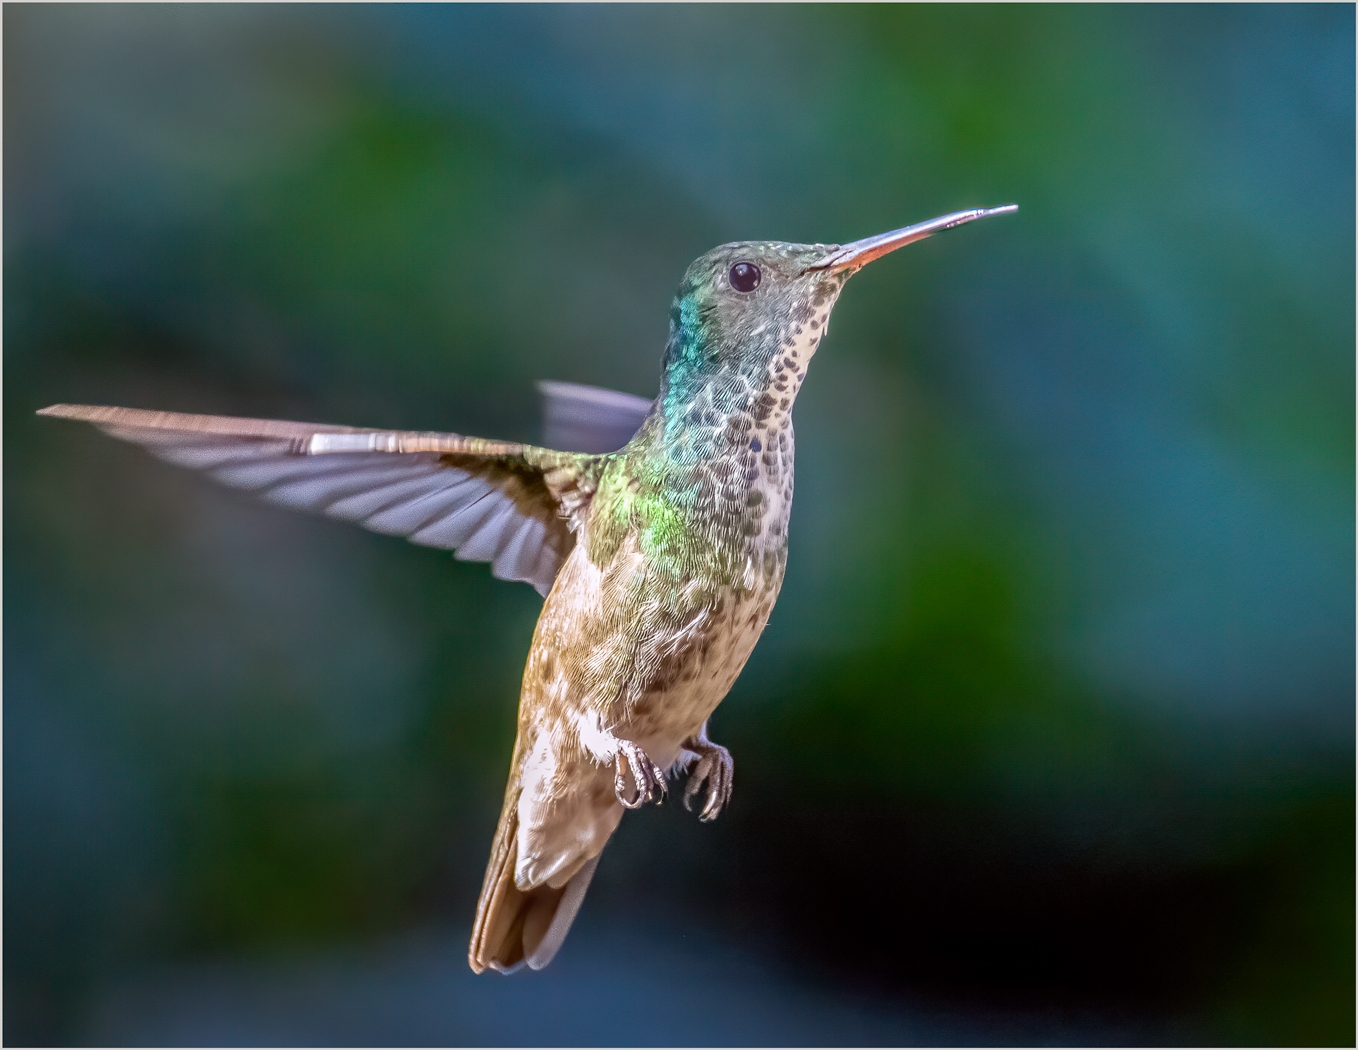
(745, 277)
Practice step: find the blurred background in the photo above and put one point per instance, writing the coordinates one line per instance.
(1051, 737)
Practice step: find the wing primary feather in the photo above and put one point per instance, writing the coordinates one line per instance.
(109, 417)
(453, 528)
(272, 475)
(519, 554)
(506, 561)
(489, 538)
(543, 573)
(315, 492)
(372, 501)
(410, 516)
(487, 500)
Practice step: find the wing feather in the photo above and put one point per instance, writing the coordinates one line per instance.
(410, 517)
(363, 504)
(589, 418)
(518, 552)
(320, 487)
(487, 500)
(208, 453)
(334, 476)
(485, 542)
(543, 572)
(453, 528)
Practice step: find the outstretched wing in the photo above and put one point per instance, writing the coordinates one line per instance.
(589, 418)
(495, 501)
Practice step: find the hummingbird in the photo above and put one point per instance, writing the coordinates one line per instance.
(659, 542)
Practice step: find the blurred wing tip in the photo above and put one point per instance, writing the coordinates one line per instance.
(589, 419)
(68, 411)
(559, 388)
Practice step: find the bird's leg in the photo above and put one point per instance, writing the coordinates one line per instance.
(715, 769)
(647, 777)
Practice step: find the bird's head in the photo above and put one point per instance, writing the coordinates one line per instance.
(749, 315)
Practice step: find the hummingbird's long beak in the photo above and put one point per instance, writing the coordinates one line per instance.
(860, 253)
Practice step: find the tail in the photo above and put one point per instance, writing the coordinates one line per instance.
(515, 926)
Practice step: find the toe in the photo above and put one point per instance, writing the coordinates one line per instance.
(626, 763)
(696, 780)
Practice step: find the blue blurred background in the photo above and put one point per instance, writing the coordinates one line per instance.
(1051, 737)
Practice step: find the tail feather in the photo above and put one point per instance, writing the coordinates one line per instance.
(515, 926)
(554, 922)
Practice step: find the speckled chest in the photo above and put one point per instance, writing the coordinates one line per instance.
(651, 628)
(752, 487)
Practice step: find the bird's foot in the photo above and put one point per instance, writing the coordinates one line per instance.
(715, 770)
(648, 779)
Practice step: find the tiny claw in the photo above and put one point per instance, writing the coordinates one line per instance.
(647, 777)
(714, 772)
(620, 787)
